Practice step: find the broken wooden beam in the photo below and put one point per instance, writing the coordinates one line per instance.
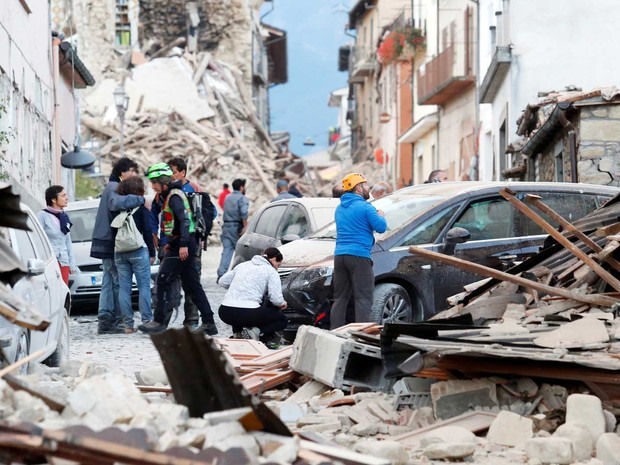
(596, 299)
(576, 251)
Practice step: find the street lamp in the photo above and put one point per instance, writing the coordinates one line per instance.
(121, 100)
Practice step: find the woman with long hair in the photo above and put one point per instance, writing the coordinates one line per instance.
(137, 262)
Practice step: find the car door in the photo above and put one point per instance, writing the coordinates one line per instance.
(34, 288)
(266, 231)
(495, 242)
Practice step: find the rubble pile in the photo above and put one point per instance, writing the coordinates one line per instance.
(194, 108)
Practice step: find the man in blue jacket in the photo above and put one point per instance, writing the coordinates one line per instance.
(356, 220)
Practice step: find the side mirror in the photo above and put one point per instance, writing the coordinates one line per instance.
(289, 238)
(453, 237)
(36, 266)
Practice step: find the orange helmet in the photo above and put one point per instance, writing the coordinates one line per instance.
(351, 180)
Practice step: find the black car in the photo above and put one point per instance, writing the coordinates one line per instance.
(410, 288)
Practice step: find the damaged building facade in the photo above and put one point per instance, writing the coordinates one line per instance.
(39, 75)
(571, 137)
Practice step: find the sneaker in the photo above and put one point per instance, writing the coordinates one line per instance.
(152, 327)
(251, 333)
(110, 330)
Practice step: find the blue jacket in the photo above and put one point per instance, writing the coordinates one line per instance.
(356, 219)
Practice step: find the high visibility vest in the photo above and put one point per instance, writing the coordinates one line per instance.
(167, 224)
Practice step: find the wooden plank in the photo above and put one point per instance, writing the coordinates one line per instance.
(20, 362)
(596, 299)
(558, 236)
(538, 203)
(276, 356)
(472, 421)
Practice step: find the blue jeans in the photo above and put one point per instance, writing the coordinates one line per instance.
(129, 264)
(230, 237)
(109, 308)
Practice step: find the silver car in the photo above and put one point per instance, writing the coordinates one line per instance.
(86, 285)
(43, 289)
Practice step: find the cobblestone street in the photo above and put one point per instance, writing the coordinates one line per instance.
(134, 352)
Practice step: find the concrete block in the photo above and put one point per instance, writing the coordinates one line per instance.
(600, 130)
(448, 435)
(587, 410)
(510, 429)
(602, 178)
(421, 417)
(390, 450)
(610, 421)
(327, 427)
(360, 415)
(591, 152)
(365, 429)
(290, 412)
(192, 438)
(111, 398)
(554, 396)
(152, 376)
(453, 451)
(608, 448)
(380, 408)
(321, 401)
(454, 397)
(580, 436)
(550, 450)
(410, 385)
(337, 361)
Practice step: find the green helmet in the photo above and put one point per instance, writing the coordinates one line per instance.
(158, 170)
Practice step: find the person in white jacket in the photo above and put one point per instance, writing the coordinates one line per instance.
(254, 298)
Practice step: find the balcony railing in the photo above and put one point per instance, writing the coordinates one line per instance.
(445, 76)
(363, 64)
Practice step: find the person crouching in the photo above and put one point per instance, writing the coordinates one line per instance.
(254, 298)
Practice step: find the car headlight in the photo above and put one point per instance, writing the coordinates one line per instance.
(308, 276)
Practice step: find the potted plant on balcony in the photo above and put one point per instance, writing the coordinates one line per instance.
(401, 44)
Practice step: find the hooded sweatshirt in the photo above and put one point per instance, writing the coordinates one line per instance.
(110, 204)
(356, 219)
(248, 283)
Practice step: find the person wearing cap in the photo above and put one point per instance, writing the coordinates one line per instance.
(282, 189)
(235, 220)
(179, 227)
(356, 221)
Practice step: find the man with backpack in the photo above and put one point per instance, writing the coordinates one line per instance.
(179, 227)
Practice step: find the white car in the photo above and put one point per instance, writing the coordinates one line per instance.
(86, 285)
(43, 289)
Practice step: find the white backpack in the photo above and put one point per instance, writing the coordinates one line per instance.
(128, 237)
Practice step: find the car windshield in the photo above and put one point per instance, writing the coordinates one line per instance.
(398, 211)
(83, 224)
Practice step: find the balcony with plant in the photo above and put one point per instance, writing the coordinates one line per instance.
(401, 44)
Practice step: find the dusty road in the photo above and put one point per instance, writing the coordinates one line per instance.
(134, 352)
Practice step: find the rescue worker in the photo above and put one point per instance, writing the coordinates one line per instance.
(178, 227)
(356, 220)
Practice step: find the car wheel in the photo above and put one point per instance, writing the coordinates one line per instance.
(391, 304)
(22, 350)
(61, 354)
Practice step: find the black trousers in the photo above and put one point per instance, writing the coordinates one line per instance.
(267, 318)
(171, 269)
(353, 276)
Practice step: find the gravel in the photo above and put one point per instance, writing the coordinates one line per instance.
(135, 352)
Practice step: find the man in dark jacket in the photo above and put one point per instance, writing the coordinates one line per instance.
(356, 221)
(102, 246)
(235, 219)
(180, 250)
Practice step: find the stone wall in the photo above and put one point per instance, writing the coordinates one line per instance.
(94, 22)
(599, 144)
(225, 28)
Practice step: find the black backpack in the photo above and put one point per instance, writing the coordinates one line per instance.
(204, 214)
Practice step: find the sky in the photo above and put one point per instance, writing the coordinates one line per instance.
(316, 29)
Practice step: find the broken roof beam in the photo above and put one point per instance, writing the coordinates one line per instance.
(576, 251)
(538, 203)
(597, 299)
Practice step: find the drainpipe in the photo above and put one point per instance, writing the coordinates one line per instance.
(57, 143)
(572, 144)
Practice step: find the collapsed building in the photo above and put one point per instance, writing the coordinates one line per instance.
(196, 74)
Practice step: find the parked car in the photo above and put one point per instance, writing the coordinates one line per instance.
(44, 290)
(282, 222)
(410, 288)
(85, 286)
